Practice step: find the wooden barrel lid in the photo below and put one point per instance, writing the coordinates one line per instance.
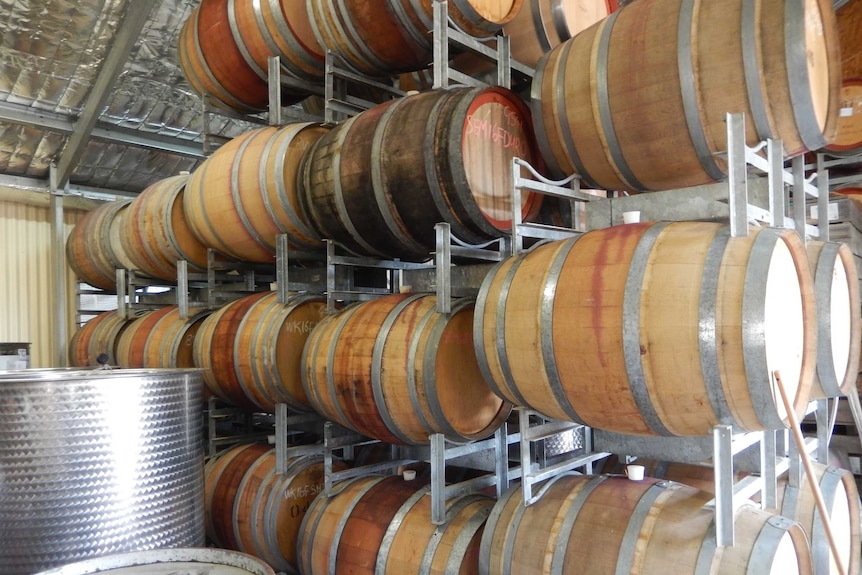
(849, 134)
(579, 15)
(496, 11)
(784, 321)
(496, 130)
(818, 62)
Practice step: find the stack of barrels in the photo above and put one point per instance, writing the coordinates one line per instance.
(652, 328)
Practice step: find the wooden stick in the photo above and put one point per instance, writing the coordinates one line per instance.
(809, 472)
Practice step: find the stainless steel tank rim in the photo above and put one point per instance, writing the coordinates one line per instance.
(206, 557)
(78, 374)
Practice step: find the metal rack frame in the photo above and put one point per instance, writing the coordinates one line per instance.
(446, 33)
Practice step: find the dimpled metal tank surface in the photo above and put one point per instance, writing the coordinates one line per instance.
(98, 462)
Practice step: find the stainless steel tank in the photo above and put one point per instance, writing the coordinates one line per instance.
(169, 562)
(98, 462)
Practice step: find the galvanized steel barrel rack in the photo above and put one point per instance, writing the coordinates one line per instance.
(532, 429)
(826, 161)
(446, 34)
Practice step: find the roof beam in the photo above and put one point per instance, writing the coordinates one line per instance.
(104, 131)
(137, 12)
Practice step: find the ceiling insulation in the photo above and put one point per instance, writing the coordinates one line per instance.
(51, 55)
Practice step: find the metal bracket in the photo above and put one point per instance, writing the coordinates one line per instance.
(568, 188)
(530, 433)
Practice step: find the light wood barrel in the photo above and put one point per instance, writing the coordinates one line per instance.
(93, 248)
(396, 370)
(277, 28)
(378, 182)
(255, 510)
(605, 525)
(252, 348)
(98, 336)
(841, 496)
(849, 23)
(155, 234)
(171, 339)
(838, 318)
(214, 65)
(382, 526)
(543, 24)
(848, 140)
(796, 502)
(628, 118)
(393, 36)
(133, 341)
(652, 329)
(246, 193)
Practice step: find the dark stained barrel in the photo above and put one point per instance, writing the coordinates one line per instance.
(378, 182)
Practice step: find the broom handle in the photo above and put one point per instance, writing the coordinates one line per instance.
(809, 472)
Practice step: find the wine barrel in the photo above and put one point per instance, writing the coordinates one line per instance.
(396, 370)
(382, 526)
(219, 67)
(607, 524)
(93, 248)
(133, 341)
(378, 182)
(848, 140)
(246, 193)
(252, 348)
(841, 496)
(392, 36)
(652, 329)
(98, 336)
(277, 28)
(849, 18)
(253, 509)
(541, 25)
(222, 477)
(155, 234)
(171, 339)
(796, 502)
(628, 118)
(839, 327)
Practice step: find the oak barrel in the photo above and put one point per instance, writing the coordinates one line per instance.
(253, 509)
(170, 340)
(597, 525)
(848, 139)
(396, 370)
(132, 343)
(251, 350)
(218, 66)
(155, 234)
(382, 526)
(93, 247)
(839, 327)
(840, 495)
(246, 193)
(652, 329)
(626, 117)
(849, 18)
(378, 182)
(98, 336)
(277, 28)
(392, 36)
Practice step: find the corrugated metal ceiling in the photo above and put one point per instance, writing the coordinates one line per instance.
(51, 54)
